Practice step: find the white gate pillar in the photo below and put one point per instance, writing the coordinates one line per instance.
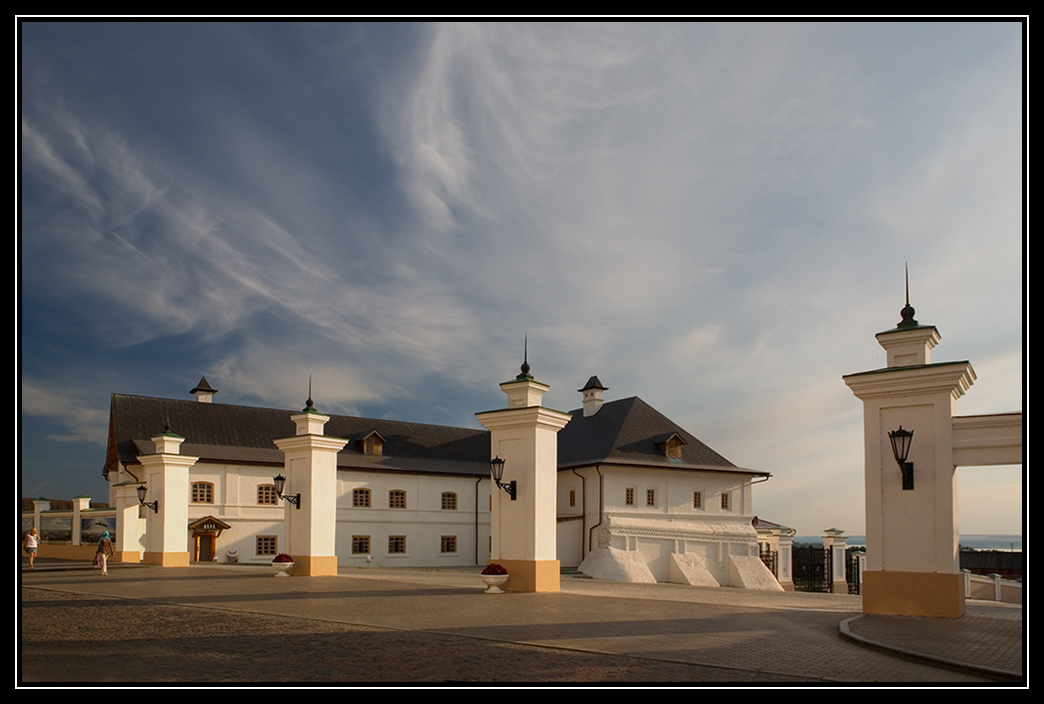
(166, 474)
(911, 533)
(310, 463)
(524, 529)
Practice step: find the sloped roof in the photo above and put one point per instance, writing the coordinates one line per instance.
(630, 431)
(627, 432)
(220, 432)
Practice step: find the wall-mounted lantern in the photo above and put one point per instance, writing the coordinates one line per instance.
(280, 482)
(496, 466)
(154, 505)
(901, 440)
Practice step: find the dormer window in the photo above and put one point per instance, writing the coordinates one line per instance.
(372, 444)
(672, 446)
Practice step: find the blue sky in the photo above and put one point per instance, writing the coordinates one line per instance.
(712, 216)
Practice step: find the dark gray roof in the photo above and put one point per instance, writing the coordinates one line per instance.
(227, 433)
(627, 431)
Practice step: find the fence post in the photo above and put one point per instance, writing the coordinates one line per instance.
(835, 545)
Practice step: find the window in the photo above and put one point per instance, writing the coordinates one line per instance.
(360, 498)
(449, 502)
(202, 493)
(629, 496)
(266, 494)
(449, 543)
(266, 545)
(360, 545)
(572, 497)
(650, 497)
(397, 544)
(724, 501)
(697, 499)
(396, 498)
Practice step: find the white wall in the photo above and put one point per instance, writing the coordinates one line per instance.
(423, 522)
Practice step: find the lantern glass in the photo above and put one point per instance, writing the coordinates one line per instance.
(141, 493)
(901, 443)
(496, 466)
(280, 482)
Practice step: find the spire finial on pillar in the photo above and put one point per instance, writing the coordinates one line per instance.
(907, 311)
(525, 360)
(309, 406)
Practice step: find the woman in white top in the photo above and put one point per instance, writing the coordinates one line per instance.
(32, 543)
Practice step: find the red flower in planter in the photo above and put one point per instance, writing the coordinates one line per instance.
(283, 557)
(494, 568)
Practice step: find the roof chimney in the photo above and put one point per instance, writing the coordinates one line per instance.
(592, 396)
(203, 392)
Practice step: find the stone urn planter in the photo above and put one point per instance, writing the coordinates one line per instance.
(282, 564)
(494, 575)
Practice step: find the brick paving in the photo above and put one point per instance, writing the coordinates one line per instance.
(230, 623)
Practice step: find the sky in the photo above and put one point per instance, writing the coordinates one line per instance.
(714, 217)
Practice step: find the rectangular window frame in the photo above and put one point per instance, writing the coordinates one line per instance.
(202, 492)
(266, 495)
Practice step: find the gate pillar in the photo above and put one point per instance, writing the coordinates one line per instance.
(523, 524)
(911, 527)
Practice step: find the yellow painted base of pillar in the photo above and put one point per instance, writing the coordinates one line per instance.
(166, 559)
(913, 594)
(531, 575)
(314, 566)
(127, 556)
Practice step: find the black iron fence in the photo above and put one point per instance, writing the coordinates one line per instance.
(813, 569)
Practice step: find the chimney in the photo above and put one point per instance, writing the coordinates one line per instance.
(203, 392)
(592, 396)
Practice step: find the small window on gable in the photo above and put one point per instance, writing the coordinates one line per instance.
(396, 498)
(724, 501)
(572, 497)
(372, 444)
(629, 496)
(697, 499)
(449, 501)
(360, 498)
(650, 497)
(672, 446)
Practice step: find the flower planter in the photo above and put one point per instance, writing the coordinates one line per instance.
(282, 568)
(493, 582)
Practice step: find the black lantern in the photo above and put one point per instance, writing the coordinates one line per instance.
(154, 505)
(901, 440)
(280, 482)
(496, 466)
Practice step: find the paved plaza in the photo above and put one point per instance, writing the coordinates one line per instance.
(240, 624)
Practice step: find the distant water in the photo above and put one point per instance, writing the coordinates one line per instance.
(979, 542)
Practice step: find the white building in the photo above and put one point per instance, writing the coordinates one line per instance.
(633, 489)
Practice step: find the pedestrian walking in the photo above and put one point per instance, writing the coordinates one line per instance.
(32, 544)
(105, 551)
